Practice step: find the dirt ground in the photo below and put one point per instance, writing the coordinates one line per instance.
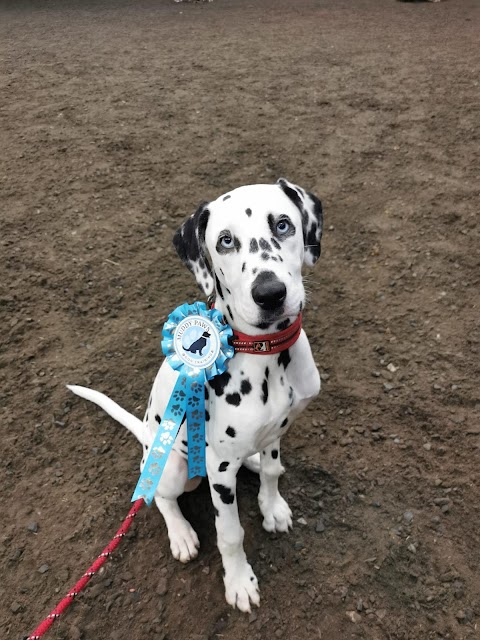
(117, 119)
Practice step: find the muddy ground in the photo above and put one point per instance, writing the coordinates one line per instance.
(117, 119)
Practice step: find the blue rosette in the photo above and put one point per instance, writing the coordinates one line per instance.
(195, 341)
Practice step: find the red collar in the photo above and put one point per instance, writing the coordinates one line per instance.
(267, 344)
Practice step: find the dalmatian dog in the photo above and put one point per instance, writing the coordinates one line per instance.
(247, 249)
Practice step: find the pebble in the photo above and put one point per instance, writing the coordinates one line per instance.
(354, 616)
(15, 607)
(162, 587)
(427, 446)
(320, 526)
(302, 521)
(44, 568)
(33, 527)
(408, 517)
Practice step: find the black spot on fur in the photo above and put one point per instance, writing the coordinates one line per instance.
(218, 383)
(245, 387)
(243, 266)
(290, 395)
(265, 391)
(225, 493)
(248, 212)
(263, 325)
(185, 443)
(264, 245)
(254, 271)
(223, 466)
(267, 372)
(283, 325)
(230, 312)
(274, 454)
(231, 432)
(207, 415)
(158, 419)
(146, 447)
(219, 287)
(226, 198)
(265, 256)
(216, 512)
(284, 358)
(281, 380)
(233, 398)
(236, 243)
(207, 395)
(275, 243)
(284, 423)
(253, 246)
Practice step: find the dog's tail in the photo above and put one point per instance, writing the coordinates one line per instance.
(114, 410)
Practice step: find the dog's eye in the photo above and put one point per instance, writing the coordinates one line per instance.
(282, 227)
(226, 242)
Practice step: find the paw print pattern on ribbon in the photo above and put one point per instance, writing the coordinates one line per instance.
(166, 438)
(158, 452)
(196, 387)
(178, 409)
(169, 425)
(193, 401)
(179, 395)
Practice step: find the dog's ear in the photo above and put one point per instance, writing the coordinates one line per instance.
(189, 243)
(312, 218)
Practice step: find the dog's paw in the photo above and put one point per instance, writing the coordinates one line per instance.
(184, 542)
(241, 589)
(277, 515)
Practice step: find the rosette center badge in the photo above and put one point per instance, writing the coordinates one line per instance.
(197, 342)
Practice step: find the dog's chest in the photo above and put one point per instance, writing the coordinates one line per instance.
(249, 405)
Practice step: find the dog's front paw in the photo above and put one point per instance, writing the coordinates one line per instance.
(241, 588)
(276, 514)
(184, 542)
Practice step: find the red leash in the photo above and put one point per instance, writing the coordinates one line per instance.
(91, 571)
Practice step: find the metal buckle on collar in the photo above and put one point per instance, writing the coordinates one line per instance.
(263, 345)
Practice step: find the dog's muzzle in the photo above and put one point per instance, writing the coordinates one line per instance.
(268, 291)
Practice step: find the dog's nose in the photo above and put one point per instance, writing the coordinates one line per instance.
(268, 291)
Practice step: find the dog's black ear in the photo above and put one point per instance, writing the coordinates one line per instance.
(189, 243)
(312, 218)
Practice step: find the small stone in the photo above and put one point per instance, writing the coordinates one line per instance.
(162, 588)
(387, 387)
(44, 568)
(298, 545)
(427, 446)
(302, 521)
(15, 607)
(320, 526)
(354, 616)
(412, 548)
(460, 616)
(408, 517)
(391, 367)
(381, 613)
(33, 527)
(252, 617)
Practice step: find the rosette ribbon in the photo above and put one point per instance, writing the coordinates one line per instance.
(195, 342)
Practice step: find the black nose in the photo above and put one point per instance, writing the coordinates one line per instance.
(268, 291)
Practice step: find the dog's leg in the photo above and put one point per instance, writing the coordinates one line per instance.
(276, 512)
(241, 586)
(183, 539)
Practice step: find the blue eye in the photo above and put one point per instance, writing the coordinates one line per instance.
(226, 242)
(282, 227)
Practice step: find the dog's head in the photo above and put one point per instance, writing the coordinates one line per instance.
(249, 246)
